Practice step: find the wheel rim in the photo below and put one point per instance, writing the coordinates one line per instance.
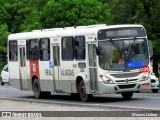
(82, 92)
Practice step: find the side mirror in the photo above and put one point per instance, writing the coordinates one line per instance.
(150, 48)
(98, 51)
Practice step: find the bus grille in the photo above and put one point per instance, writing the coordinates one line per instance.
(124, 81)
(126, 86)
(125, 75)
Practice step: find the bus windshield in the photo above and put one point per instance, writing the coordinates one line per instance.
(123, 54)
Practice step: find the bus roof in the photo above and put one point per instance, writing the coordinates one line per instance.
(67, 31)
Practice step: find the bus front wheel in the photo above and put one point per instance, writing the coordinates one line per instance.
(82, 92)
(127, 95)
(154, 90)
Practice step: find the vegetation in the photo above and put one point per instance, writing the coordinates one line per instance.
(26, 15)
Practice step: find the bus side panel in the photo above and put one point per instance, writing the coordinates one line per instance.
(67, 75)
(46, 78)
(14, 75)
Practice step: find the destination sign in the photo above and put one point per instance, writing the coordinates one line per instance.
(121, 33)
(112, 33)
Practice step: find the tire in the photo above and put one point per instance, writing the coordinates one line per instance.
(46, 94)
(154, 90)
(75, 96)
(1, 82)
(82, 92)
(127, 95)
(37, 89)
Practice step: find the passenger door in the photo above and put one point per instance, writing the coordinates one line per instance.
(56, 67)
(22, 62)
(92, 66)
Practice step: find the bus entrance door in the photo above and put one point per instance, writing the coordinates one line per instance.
(23, 80)
(56, 67)
(92, 66)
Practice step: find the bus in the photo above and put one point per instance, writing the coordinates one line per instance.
(82, 61)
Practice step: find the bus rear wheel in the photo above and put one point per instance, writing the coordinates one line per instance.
(127, 95)
(82, 92)
(36, 89)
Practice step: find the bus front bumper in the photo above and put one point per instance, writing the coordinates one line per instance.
(125, 87)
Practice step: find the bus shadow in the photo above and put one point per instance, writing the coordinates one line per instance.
(94, 99)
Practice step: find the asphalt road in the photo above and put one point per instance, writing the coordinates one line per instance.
(146, 101)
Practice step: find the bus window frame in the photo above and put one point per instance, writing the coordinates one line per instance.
(12, 51)
(62, 48)
(41, 49)
(33, 50)
(80, 48)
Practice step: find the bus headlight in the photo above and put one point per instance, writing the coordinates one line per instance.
(106, 79)
(145, 77)
(109, 81)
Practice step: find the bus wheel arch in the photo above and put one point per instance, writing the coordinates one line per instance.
(78, 79)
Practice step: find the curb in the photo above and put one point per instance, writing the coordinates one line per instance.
(83, 104)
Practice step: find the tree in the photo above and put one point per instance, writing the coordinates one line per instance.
(3, 38)
(145, 12)
(32, 20)
(3, 13)
(18, 11)
(61, 13)
(3, 43)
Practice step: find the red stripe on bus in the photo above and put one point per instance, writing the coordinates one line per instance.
(34, 69)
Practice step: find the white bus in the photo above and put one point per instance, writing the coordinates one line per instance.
(82, 61)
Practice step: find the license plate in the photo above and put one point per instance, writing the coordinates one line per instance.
(146, 85)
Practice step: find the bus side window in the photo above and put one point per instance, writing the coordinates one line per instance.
(33, 49)
(80, 47)
(13, 49)
(44, 49)
(67, 48)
